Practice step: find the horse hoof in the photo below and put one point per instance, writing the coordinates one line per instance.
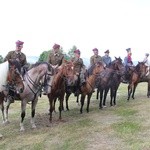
(33, 126)
(104, 106)
(6, 122)
(1, 136)
(22, 129)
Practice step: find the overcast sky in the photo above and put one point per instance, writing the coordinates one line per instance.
(105, 24)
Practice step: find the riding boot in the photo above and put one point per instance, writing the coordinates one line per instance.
(11, 96)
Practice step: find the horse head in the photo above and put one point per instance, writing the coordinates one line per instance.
(118, 65)
(67, 69)
(48, 76)
(99, 66)
(141, 69)
(14, 78)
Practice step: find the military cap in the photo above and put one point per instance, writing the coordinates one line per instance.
(107, 51)
(56, 46)
(147, 54)
(77, 51)
(95, 49)
(128, 49)
(18, 43)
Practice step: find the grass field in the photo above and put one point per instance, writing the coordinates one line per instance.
(123, 127)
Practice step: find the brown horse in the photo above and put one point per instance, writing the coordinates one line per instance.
(11, 79)
(65, 75)
(89, 87)
(110, 78)
(136, 76)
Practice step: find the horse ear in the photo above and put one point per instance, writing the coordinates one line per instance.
(115, 57)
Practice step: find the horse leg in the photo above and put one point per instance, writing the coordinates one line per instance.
(23, 113)
(82, 103)
(51, 108)
(60, 107)
(111, 96)
(134, 88)
(115, 94)
(34, 102)
(129, 91)
(55, 104)
(97, 94)
(2, 109)
(148, 89)
(7, 107)
(88, 101)
(67, 97)
(105, 96)
(101, 99)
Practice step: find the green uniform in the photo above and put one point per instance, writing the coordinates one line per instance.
(78, 64)
(79, 67)
(21, 57)
(56, 59)
(94, 59)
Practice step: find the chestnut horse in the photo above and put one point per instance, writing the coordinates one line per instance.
(10, 79)
(89, 87)
(65, 75)
(136, 76)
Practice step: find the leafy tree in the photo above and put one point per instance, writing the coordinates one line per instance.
(44, 56)
(71, 51)
(1, 59)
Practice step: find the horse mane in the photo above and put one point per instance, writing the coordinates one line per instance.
(15, 63)
(40, 63)
(91, 68)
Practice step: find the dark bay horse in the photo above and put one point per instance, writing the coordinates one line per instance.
(39, 76)
(10, 79)
(136, 76)
(110, 78)
(65, 75)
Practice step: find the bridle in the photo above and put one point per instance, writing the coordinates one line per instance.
(37, 86)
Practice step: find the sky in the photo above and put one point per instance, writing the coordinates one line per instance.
(104, 24)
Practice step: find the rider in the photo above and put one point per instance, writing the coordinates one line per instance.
(18, 55)
(56, 57)
(128, 63)
(79, 68)
(106, 58)
(146, 61)
(95, 58)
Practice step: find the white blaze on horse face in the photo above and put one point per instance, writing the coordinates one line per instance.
(4, 69)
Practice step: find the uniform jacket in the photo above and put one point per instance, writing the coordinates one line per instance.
(78, 64)
(21, 57)
(106, 60)
(56, 59)
(94, 59)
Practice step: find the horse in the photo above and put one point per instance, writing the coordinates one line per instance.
(39, 76)
(89, 87)
(10, 79)
(110, 78)
(92, 72)
(65, 75)
(136, 76)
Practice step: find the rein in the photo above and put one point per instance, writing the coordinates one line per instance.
(38, 86)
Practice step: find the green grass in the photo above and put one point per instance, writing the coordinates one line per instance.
(123, 127)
